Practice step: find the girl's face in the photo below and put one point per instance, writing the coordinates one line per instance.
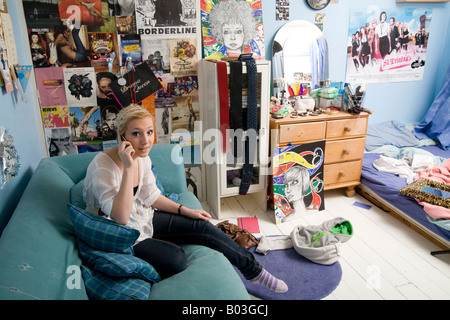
(140, 134)
(35, 38)
(293, 189)
(233, 36)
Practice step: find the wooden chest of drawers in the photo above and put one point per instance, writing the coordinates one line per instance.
(345, 136)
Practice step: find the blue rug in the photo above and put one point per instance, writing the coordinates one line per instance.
(306, 280)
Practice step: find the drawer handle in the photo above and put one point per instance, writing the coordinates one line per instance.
(347, 129)
(300, 134)
(346, 152)
(341, 174)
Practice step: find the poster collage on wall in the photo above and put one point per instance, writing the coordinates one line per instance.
(80, 49)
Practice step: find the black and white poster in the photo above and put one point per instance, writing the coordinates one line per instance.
(166, 19)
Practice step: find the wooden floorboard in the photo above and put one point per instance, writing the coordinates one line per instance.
(384, 259)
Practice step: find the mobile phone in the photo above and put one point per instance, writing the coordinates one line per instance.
(123, 139)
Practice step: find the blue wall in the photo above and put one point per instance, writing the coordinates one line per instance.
(20, 120)
(403, 101)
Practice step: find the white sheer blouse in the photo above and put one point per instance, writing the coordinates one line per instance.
(102, 183)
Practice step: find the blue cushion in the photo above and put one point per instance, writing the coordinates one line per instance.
(117, 264)
(101, 233)
(172, 196)
(102, 287)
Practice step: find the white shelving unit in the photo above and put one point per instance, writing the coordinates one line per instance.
(219, 167)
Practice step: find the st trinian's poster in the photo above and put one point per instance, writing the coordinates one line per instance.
(387, 44)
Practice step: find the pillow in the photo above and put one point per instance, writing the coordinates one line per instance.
(102, 287)
(389, 133)
(117, 264)
(172, 196)
(101, 233)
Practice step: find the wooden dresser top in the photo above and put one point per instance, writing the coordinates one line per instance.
(321, 117)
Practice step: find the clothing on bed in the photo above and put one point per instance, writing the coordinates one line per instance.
(394, 156)
(440, 174)
(437, 173)
(436, 123)
(405, 162)
(386, 186)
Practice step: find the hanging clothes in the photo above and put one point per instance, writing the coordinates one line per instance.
(319, 61)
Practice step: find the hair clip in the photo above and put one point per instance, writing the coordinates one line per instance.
(245, 56)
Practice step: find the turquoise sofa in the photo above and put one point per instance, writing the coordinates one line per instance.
(39, 258)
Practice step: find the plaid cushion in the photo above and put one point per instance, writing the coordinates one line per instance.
(102, 287)
(117, 264)
(172, 196)
(101, 233)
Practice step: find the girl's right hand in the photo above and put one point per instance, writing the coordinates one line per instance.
(126, 153)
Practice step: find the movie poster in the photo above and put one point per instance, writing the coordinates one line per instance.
(387, 45)
(298, 180)
(166, 19)
(232, 27)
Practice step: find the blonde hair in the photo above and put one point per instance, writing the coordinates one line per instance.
(133, 111)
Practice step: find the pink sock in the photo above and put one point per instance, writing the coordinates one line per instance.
(274, 284)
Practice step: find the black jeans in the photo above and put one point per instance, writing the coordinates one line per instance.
(170, 230)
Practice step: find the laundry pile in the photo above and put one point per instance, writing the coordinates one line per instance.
(406, 162)
(318, 243)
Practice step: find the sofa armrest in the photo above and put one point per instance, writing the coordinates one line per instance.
(169, 164)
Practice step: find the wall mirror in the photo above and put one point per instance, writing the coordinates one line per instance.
(299, 54)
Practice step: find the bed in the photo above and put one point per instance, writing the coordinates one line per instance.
(390, 141)
(382, 188)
